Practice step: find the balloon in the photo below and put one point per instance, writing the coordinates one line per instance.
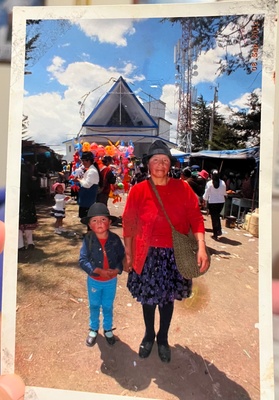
(130, 149)
(86, 146)
(78, 147)
(100, 151)
(109, 150)
(94, 147)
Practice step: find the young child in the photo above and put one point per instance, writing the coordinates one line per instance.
(58, 210)
(101, 257)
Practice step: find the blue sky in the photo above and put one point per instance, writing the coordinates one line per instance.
(73, 59)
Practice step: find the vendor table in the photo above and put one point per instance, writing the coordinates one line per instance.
(240, 203)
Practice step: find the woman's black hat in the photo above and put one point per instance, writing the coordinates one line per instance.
(98, 210)
(160, 147)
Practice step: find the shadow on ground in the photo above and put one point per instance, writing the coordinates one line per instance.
(188, 376)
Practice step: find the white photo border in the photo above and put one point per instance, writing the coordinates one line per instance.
(20, 15)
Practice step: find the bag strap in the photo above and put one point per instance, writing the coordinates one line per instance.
(160, 201)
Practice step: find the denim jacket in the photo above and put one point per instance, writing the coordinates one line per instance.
(91, 253)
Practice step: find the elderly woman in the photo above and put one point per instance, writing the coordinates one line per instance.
(153, 278)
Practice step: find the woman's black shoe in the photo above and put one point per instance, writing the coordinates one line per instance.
(145, 349)
(110, 339)
(164, 352)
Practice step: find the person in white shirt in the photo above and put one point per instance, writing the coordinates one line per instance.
(89, 184)
(58, 210)
(215, 195)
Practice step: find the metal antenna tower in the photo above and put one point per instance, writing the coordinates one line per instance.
(184, 56)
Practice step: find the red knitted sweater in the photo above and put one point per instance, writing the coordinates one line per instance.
(144, 220)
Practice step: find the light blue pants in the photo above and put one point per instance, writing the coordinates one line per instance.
(101, 295)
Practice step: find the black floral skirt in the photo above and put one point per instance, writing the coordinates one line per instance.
(159, 282)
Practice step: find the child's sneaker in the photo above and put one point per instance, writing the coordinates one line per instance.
(62, 229)
(91, 338)
(57, 231)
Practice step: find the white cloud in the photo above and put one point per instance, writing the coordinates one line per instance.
(170, 97)
(56, 66)
(207, 65)
(111, 31)
(65, 45)
(242, 102)
(209, 62)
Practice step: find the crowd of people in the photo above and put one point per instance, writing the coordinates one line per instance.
(99, 177)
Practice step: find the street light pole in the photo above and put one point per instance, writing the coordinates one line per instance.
(211, 124)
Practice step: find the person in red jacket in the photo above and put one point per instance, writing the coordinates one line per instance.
(154, 279)
(108, 178)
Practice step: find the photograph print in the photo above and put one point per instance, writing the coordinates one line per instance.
(114, 79)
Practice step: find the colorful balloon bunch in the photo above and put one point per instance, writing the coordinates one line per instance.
(121, 155)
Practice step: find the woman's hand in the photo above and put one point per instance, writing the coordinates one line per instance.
(127, 264)
(202, 258)
(128, 260)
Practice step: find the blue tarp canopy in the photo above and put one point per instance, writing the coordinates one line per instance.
(252, 152)
(180, 155)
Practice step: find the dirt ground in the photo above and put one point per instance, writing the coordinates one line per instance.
(213, 337)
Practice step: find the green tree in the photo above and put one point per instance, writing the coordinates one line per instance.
(30, 44)
(248, 122)
(201, 121)
(41, 36)
(224, 137)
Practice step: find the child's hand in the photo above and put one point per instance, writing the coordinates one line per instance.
(112, 273)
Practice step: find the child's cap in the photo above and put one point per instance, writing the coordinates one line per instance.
(55, 185)
(98, 210)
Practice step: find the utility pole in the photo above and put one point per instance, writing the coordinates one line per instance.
(211, 124)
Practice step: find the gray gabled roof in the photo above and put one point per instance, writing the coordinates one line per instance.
(120, 111)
